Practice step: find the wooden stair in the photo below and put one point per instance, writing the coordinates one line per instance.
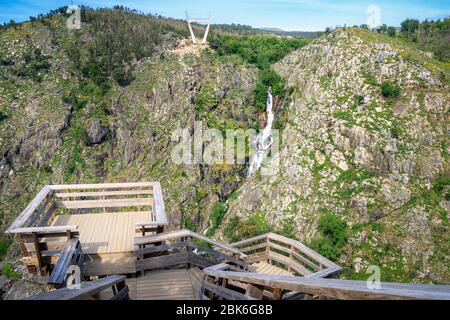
(267, 268)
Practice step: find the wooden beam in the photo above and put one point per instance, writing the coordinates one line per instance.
(158, 204)
(101, 186)
(29, 210)
(102, 193)
(184, 233)
(37, 252)
(45, 230)
(226, 293)
(339, 289)
(254, 291)
(302, 248)
(162, 261)
(88, 289)
(107, 203)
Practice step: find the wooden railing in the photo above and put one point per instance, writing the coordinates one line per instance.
(89, 290)
(184, 247)
(71, 255)
(41, 242)
(288, 254)
(256, 285)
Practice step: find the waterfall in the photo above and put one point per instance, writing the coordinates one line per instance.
(264, 139)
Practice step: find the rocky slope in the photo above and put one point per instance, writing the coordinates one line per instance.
(367, 141)
(56, 129)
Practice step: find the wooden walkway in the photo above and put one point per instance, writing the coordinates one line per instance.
(267, 268)
(176, 284)
(105, 232)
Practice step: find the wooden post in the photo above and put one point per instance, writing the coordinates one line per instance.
(120, 286)
(38, 253)
(255, 291)
(69, 234)
(188, 250)
(22, 245)
(290, 258)
(276, 294)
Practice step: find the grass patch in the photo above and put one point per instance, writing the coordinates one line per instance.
(8, 271)
(389, 90)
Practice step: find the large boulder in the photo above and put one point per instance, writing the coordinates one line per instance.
(97, 132)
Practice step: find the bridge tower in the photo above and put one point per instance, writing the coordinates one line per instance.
(205, 20)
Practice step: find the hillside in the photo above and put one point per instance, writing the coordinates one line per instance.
(363, 168)
(94, 106)
(364, 155)
(68, 123)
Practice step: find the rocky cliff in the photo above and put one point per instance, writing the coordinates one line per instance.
(58, 126)
(366, 142)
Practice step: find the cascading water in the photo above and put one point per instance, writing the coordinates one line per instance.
(264, 139)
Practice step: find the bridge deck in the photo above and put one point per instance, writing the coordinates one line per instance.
(267, 268)
(175, 284)
(105, 232)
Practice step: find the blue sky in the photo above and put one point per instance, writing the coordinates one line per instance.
(304, 15)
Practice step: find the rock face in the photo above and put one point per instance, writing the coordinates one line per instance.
(124, 135)
(380, 164)
(96, 132)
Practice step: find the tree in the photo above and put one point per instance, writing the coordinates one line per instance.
(391, 31)
(409, 26)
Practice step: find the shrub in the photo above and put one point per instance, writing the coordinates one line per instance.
(333, 236)
(230, 229)
(217, 214)
(333, 228)
(8, 271)
(121, 76)
(325, 248)
(391, 31)
(389, 90)
(4, 246)
(3, 115)
(73, 100)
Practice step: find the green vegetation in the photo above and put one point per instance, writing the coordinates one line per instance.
(3, 115)
(430, 35)
(433, 197)
(261, 51)
(389, 90)
(237, 229)
(391, 31)
(4, 246)
(333, 236)
(8, 271)
(32, 64)
(216, 216)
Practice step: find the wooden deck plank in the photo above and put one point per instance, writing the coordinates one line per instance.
(266, 268)
(104, 232)
(165, 285)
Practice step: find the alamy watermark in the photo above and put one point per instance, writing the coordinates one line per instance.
(374, 19)
(210, 146)
(73, 22)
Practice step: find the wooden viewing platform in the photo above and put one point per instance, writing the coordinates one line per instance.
(113, 236)
(104, 217)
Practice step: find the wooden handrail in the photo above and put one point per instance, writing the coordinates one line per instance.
(30, 209)
(88, 289)
(45, 230)
(140, 241)
(340, 289)
(102, 185)
(291, 253)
